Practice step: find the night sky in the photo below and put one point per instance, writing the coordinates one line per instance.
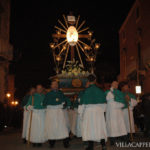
(32, 24)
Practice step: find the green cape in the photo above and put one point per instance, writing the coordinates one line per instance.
(93, 95)
(56, 98)
(38, 101)
(118, 96)
(130, 95)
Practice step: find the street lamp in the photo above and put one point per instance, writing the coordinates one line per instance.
(8, 95)
(14, 103)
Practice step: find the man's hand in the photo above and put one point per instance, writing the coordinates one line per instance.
(127, 97)
(30, 108)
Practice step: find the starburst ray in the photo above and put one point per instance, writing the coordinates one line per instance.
(79, 55)
(84, 43)
(83, 30)
(81, 25)
(83, 50)
(66, 56)
(54, 56)
(60, 29)
(60, 43)
(62, 49)
(77, 21)
(62, 25)
(65, 21)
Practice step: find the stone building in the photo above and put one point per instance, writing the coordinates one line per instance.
(6, 49)
(134, 36)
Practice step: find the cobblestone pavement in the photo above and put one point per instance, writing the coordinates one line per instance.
(11, 140)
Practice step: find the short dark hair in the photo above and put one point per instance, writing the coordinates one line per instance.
(39, 85)
(122, 84)
(54, 80)
(91, 78)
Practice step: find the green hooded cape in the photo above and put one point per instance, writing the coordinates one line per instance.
(131, 97)
(56, 98)
(93, 95)
(118, 96)
(38, 101)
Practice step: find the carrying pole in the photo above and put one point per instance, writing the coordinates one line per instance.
(30, 122)
(129, 115)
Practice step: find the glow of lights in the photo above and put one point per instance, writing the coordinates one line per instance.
(52, 45)
(97, 45)
(91, 59)
(72, 35)
(85, 47)
(12, 102)
(16, 102)
(64, 47)
(58, 58)
(138, 89)
(8, 95)
(58, 32)
(90, 33)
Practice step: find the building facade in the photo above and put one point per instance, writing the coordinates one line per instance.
(134, 36)
(6, 49)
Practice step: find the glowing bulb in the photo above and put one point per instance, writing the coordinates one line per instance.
(58, 58)
(72, 35)
(52, 45)
(90, 33)
(16, 102)
(8, 95)
(58, 32)
(138, 89)
(85, 47)
(91, 59)
(97, 45)
(12, 102)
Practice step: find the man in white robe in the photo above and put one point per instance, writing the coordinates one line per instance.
(36, 121)
(132, 103)
(115, 122)
(26, 113)
(92, 114)
(56, 127)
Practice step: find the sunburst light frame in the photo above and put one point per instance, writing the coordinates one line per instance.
(71, 36)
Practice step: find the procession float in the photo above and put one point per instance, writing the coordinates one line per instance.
(74, 52)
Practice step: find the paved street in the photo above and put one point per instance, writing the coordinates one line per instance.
(11, 140)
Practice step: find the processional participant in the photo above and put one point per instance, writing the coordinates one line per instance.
(92, 114)
(114, 113)
(26, 112)
(79, 118)
(128, 113)
(73, 116)
(56, 127)
(35, 132)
